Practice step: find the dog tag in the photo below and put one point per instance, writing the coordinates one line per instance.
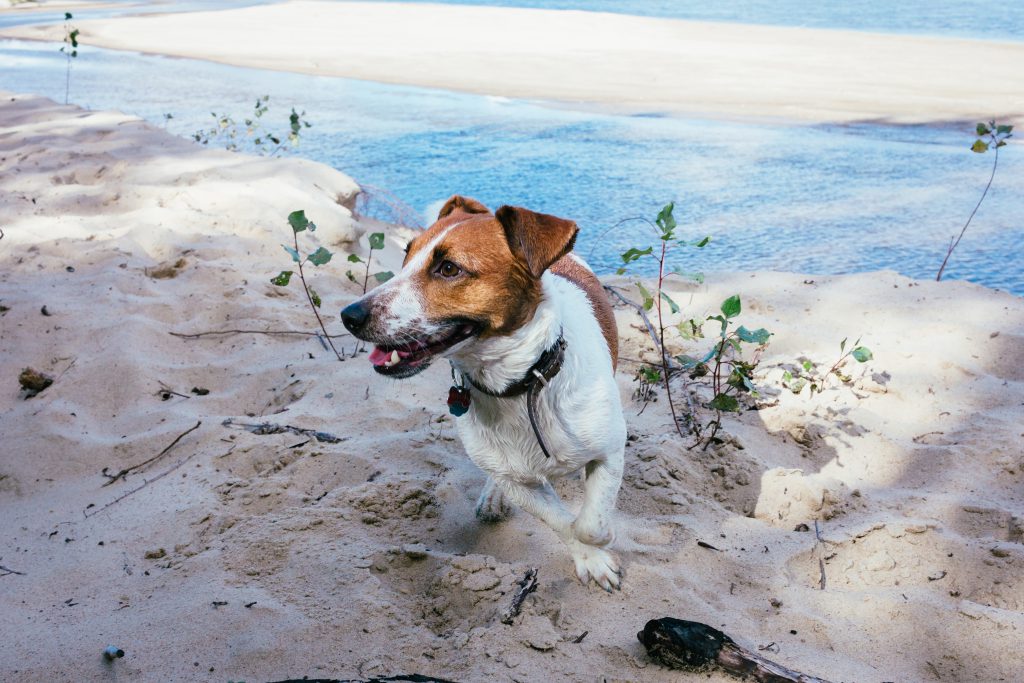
(458, 401)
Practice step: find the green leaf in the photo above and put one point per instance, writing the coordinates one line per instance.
(320, 257)
(383, 276)
(690, 329)
(703, 243)
(648, 299)
(376, 240)
(298, 221)
(633, 254)
(758, 336)
(731, 306)
(620, 271)
(67, 16)
(979, 146)
(1003, 130)
(293, 252)
(315, 297)
(797, 385)
(666, 221)
(350, 276)
(982, 129)
(807, 365)
(726, 403)
(671, 304)
(352, 258)
(842, 344)
(697, 277)
(725, 323)
(282, 279)
(787, 376)
(862, 354)
(687, 361)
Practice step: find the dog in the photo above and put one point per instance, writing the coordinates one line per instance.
(527, 327)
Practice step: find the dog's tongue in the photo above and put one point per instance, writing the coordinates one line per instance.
(381, 357)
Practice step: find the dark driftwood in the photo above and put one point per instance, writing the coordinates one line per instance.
(526, 586)
(680, 644)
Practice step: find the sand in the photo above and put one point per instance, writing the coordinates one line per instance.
(266, 557)
(633, 64)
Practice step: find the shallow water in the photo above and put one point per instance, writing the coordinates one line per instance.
(811, 199)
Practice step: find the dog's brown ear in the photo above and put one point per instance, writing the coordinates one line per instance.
(464, 204)
(536, 238)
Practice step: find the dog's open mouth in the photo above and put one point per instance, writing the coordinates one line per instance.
(408, 359)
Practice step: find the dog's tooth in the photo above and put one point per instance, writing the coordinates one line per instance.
(394, 358)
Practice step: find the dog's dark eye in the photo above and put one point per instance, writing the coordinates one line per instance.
(448, 269)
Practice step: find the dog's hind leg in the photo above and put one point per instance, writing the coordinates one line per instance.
(601, 488)
(542, 502)
(491, 506)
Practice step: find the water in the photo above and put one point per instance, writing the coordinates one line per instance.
(954, 18)
(810, 199)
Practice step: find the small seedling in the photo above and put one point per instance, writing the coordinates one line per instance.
(251, 135)
(70, 50)
(299, 223)
(376, 241)
(990, 136)
(731, 375)
(808, 374)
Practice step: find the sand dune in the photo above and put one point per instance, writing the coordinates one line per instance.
(264, 557)
(636, 64)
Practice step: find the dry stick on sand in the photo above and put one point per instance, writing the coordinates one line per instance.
(693, 646)
(138, 488)
(198, 335)
(264, 428)
(7, 570)
(128, 470)
(526, 586)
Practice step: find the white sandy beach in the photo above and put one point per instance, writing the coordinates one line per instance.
(266, 557)
(635, 64)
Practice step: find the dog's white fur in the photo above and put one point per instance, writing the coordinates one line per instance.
(579, 415)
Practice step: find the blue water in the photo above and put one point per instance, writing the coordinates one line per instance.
(812, 199)
(959, 18)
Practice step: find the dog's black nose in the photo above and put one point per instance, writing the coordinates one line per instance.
(355, 316)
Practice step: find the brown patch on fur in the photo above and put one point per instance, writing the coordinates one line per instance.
(464, 204)
(581, 276)
(536, 238)
(495, 289)
(499, 289)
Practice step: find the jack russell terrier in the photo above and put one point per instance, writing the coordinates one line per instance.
(529, 332)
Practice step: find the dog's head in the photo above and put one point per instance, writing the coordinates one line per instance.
(470, 275)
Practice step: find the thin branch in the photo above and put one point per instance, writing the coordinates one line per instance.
(264, 428)
(954, 244)
(145, 483)
(8, 571)
(526, 586)
(197, 335)
(643, 314)
(309, 297)
(126, 471)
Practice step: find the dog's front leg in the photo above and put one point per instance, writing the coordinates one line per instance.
(541, 501)
(601, 488)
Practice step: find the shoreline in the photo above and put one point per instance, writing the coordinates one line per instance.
(624, 63)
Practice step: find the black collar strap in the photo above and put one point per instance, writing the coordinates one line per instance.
(536, 378)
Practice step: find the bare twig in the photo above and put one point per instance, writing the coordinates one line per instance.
(138, 488)
(643, 314)
(197, 335)
(7, 571)
(126, 471)
(526, 586)
(264, 428)
(309, 298)
(953, 243)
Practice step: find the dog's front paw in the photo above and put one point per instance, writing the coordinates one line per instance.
(597, 564)
(491, 506)
(591, 531)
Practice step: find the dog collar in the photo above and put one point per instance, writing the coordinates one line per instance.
(535, 379)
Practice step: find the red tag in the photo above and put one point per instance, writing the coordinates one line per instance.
(458, 401)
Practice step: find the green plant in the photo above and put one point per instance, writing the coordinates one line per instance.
(251, 135)
(809, 375)
(376, 241)
(70, 50)
(990, 136)
(298, 222)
